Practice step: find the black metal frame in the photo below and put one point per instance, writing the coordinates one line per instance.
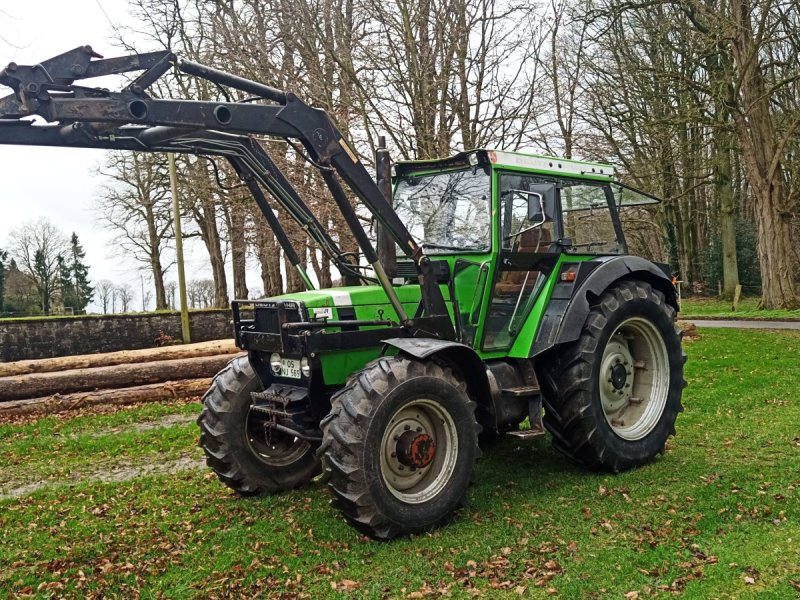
(130, 119)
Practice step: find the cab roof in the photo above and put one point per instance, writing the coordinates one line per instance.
(538, 163)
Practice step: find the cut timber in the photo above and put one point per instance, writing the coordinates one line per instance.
(37, 385)
(87, 361)
(155, 392)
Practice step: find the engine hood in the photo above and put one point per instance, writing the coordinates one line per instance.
(361, 302)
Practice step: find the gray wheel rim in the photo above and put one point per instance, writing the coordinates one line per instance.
(276, 450)
(415, 486)
(634, 379)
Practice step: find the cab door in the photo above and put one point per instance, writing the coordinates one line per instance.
(526, 257)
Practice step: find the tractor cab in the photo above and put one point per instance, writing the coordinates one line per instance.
(498, 225)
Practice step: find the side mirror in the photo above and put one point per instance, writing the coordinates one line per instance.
(541, 202)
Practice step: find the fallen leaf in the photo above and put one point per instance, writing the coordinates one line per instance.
(347, 584)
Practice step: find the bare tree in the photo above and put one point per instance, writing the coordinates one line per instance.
(200, 293)
(105, 293)
(171, 288)
(137, 208)
(124, 293)
(36, 246)
(675, 60)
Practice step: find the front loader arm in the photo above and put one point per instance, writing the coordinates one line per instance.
(132, 120)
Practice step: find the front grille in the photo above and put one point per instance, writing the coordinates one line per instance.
(267, 318)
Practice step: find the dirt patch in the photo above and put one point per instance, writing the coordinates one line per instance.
(165, 421)
(108, 472)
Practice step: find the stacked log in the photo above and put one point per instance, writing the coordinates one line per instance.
(119, 378)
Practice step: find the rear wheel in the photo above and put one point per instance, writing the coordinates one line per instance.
(612, 397)
(400, 445)
(245, 456)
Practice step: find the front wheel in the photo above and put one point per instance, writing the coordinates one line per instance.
(400, 445)
(612, 397)
(246, 456)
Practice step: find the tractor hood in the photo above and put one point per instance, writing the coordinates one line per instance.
(353, 302)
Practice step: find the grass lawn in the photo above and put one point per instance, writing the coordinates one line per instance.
(748, 308)
(115, 505)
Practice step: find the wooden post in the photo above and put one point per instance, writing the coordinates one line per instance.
(176, 216)
(736, 295)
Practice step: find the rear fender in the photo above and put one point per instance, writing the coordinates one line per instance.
(570, 302)
(460, 358)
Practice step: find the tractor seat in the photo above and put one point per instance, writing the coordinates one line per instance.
(533, 241)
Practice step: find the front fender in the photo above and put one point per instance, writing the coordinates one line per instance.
(462, 359)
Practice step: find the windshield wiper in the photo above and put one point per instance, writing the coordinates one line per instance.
(434, 246)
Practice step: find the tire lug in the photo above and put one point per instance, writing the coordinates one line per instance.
(419, 429)
(407, 428)
(393, 455)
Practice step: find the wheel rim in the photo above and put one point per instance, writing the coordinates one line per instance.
(419, 451)
(273, 448)
(634, 379)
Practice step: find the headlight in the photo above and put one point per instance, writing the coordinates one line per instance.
(275, 362)
(305, 368)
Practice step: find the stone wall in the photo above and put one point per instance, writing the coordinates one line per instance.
(65, 336)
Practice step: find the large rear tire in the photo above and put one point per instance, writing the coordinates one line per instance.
(612, 397)
(238, 449)
(400, 446)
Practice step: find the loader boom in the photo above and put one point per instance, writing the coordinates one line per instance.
(130, 119)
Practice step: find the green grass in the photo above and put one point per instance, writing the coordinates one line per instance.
(53, 448)
(748, 308)
(717, 516)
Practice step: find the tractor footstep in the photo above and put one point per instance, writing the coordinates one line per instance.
(526, 434)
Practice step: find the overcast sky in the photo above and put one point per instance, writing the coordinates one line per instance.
(60, 183)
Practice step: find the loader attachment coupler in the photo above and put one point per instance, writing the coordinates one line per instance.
(130, 119)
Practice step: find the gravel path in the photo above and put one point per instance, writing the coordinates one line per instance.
(741, 324)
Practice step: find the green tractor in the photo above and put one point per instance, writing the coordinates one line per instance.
(513, 307)
(547, 309)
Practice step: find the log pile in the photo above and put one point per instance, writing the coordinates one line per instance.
(128, 377)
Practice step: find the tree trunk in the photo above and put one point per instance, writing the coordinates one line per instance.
(154, 246)
(117, 376)
(204, 210)
(268, 254)
(723, 190)
(236, 222)
(124, 357)
(294, 283)
(761, 155)
(156, 392)
(214, 246)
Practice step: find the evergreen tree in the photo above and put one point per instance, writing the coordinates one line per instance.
(44, 276)
(65, 286)
(81, 292)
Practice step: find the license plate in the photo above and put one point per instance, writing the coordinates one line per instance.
(290, 367)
